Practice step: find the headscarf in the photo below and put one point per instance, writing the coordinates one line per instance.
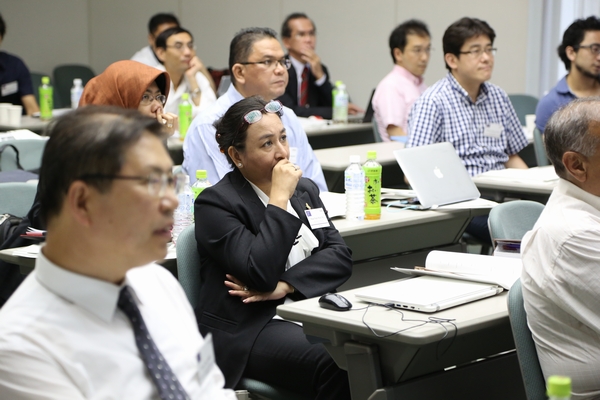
(123, 84)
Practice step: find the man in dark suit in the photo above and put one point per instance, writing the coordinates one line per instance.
(314, 97)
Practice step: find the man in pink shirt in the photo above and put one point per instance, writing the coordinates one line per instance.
(410, 45)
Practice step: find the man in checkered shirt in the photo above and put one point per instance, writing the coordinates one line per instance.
(466, 110)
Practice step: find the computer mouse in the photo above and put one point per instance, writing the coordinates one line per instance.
(335, 302)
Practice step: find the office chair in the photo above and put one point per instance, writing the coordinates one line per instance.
(17, 198)
(63, 81)
(511, 220)
(188, 272)
(27, 157)
(533, 379)
(539, 148)
(523, 104)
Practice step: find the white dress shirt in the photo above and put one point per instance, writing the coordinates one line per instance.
(299, 67)
(561, 287)
(63, 337)
(146, 56)
(201, 151)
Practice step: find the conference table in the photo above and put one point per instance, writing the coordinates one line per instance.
(33, 124)
(528, 184)
(407, 360)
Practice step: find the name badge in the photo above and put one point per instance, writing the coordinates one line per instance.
(493, 131)
(9, 88)
(206, 358)
(317, 218)
(293, 155)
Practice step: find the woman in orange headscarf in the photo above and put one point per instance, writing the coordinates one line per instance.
(130, 84)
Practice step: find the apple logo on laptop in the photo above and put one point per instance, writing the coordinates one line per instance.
(438, 172)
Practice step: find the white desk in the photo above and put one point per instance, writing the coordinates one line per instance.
(376, 363)
(335, 160)
(532, 184)
(33, 124)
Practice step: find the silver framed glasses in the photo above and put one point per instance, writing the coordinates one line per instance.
(252, 117)
(157, 183)
(271, 64)
(476, 53)
(594, 48)
(148, 99)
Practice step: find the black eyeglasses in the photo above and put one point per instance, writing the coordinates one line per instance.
(180, 46)
(594, 48)
(157, 182)
(271, 64)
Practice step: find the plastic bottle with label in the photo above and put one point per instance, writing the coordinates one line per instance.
(354, 183)
(46, 99)
(76, 92)
(340, 103)
(185, 115)
(558, 387)
(201, 182)
(184, 214)
(372, 186)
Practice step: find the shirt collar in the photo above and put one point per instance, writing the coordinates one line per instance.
(483, 89)
(298, 66)
(233, 95)
(416, 80)
(562, 86)
(94, 295)
(569, 189)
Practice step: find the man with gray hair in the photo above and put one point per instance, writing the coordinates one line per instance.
(561, 253)
(258, 67)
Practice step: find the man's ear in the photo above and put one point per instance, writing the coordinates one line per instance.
(397, 55)
(77, 202)
(576, 165)
(160, 53)
(151, 40)
(571, 53)
(286, 42)
(451, 60)
(239, 73)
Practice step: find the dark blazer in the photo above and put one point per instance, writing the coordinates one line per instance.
(238, 235)
(319, 97)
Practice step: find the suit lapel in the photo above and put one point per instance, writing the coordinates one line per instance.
(256, 209)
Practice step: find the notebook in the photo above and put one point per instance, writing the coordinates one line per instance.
(436, 174)
(427, 293)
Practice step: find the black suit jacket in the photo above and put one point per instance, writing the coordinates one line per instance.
(319, 97)
(238, 235)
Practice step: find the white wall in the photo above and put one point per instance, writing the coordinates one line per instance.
(352, 34)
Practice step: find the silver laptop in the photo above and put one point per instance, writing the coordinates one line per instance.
(436, 174)
(427, 293)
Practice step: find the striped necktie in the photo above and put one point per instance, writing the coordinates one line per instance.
(304, 88)
(164, 379)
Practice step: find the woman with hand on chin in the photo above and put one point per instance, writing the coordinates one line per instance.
(260, 248)
(130, 84)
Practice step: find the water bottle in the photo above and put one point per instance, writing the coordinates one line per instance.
(559, 387)
(46, 99)
(185, 115)
(372, 186)
(340, 103)
(201, 182)
(183, 215)
(76, 92)
(354, 183)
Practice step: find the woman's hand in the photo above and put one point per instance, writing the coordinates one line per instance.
(169, 120)
(237, 288)
(284, 180)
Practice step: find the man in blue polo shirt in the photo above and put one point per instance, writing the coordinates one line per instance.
(15, 80)
(580, 52)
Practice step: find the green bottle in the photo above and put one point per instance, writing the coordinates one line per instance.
(185, 115)
(372, 186)
(201, 182)
(46, 103)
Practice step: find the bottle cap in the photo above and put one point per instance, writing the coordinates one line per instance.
(185, 96)
(338, 83)
(355, 158)
(559, 386)
(76, 81)
(371, 155)
(201, 174)
(45, 80)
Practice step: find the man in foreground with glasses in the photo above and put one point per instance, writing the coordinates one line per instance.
(410, 45)
(157, 24)
(97, 319)
(580, 52)
(258, 67)
(464, 109)
(309, 91)
(176, 50)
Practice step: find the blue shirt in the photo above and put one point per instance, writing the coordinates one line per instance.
(15, 80)
(484, 133)
(557, 97)
(201, 150)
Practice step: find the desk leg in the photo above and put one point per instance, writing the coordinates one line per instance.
(364, 371)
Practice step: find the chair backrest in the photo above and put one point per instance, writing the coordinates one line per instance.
(539, 148)
(63, 81)
(30, 154)
(370, 112)
(533, 379)
(188, 264)
(511, 220)
(16, 198)
(523, 104)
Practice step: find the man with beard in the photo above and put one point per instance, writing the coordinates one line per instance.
(580, 51)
